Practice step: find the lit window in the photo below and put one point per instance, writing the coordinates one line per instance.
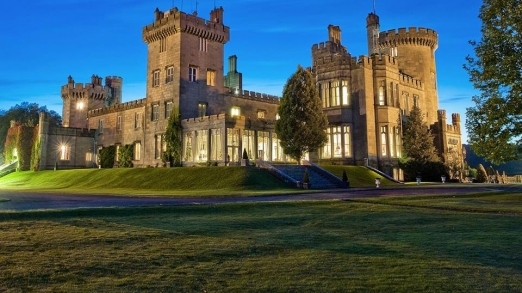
(347, 141)
(336, 141)
(156, 78)
(345, 92)
(202, 145)
(168, 109)
(211, 77)
(335, 94)
(64, 153)
(278, 117)
(157, 147)
(188, 147)
(327, 149)
(79, 105)
(193, 74)
(261, 114)
(202, 109)
(137, 151)
(118, 123)
(384, 130)
(170, 74)
(382, 100)
(155, 112)
(235, 111)
(216, 152)
(249, 142)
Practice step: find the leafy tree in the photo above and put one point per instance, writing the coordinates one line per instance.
(494, 124)
(482, 176)
(302, 123)
(27, 115)
(173, 139)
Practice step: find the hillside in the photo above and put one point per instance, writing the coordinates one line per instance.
(511, 168)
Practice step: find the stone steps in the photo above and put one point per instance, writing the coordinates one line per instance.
(317, 180)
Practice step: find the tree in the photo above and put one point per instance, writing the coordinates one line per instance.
(173, 139)
(421, 155)
(302, 123)
(27, 115)
(494, 124)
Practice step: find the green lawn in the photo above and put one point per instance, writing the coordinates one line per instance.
(327, 246)
(358, 176)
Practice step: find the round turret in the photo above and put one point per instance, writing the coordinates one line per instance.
(372, 19)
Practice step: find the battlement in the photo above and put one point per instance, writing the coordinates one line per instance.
(333, 59)
(117, 108)
(411, 36)
(455, 118)
(328, 48)
(249, 95)
(441, 114)
(407, 80)
(210, 118)
(360, 62)
(174, 21)
(384, 59)
(95, 89)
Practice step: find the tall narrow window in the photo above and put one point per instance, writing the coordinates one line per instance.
(203, 46)
(391, 140)
(157, 147)
(216, 148)
(347, 142)
(336, 94)
(202, 144)
(263, 146)
(232, 145)
(345, 93)
(188, 147)
(248, 143)
(118, 122)
(277, 150)
(156, 78)
(137, 120)
(398, 143)
(404, 106)
(193, 74)
(382, 96)
(170, 74)
(64, 152)
(155, 112)
(100, 126)
(327, 149)
(202, 109)
(163, 45)
(137, 151)
(384, 151)
(415, 101)
(168, 109)
(325, 93)
(336, 140)
(211, 77)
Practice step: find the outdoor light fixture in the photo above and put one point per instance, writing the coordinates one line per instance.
(79, 105)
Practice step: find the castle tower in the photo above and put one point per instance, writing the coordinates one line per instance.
(234, 79)
(372, 30)
(184, 60)
(79, 98)
(414, 48)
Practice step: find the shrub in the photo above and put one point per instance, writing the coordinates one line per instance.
(345, 177)
(482, 176)
(125, 156)
(245, 155)
(107, 156)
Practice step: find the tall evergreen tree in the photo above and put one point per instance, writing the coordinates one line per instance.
(494, 124)
(302, 123)
(417, 139)
(173, 139)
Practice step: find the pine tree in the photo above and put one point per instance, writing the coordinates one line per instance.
(482, 176)
(173, 139)
(494, 123)
(417, 139)
(302, 123)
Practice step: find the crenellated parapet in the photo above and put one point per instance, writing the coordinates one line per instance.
(409, 81)
(174, 21)
(361, 62)
(210, 118)
(327, 48)
(384, 59)
(249, 95)
(411, 36)
(118, 108)
(94, 90)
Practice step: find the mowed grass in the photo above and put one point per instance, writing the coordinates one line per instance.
(327, 246)
(144, 181)
(358, 176)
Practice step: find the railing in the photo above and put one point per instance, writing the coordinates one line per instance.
(8, 168)
(280, 175)
(384, 174)
(331, 177)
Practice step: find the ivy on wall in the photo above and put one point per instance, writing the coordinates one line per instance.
(125, 156)
(19, 138)
(107, 155)
(35, 156)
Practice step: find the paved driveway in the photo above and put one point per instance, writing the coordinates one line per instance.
(20, 200)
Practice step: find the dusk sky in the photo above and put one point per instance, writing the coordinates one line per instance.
(44, 41)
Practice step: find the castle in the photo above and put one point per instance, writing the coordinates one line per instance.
(365, 99)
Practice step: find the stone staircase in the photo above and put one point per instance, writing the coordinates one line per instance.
(319, 179)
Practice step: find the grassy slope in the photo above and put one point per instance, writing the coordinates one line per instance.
(170, 181)
(358, 176)
(166, 181)
(329, 246)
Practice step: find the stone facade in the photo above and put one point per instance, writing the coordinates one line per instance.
(365, 98)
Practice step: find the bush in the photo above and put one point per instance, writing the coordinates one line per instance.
(245, 155)
(429, 171)
(107, 156)
(125, 156)
(482, 176)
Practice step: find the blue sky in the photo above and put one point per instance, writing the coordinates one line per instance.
(45, 41)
